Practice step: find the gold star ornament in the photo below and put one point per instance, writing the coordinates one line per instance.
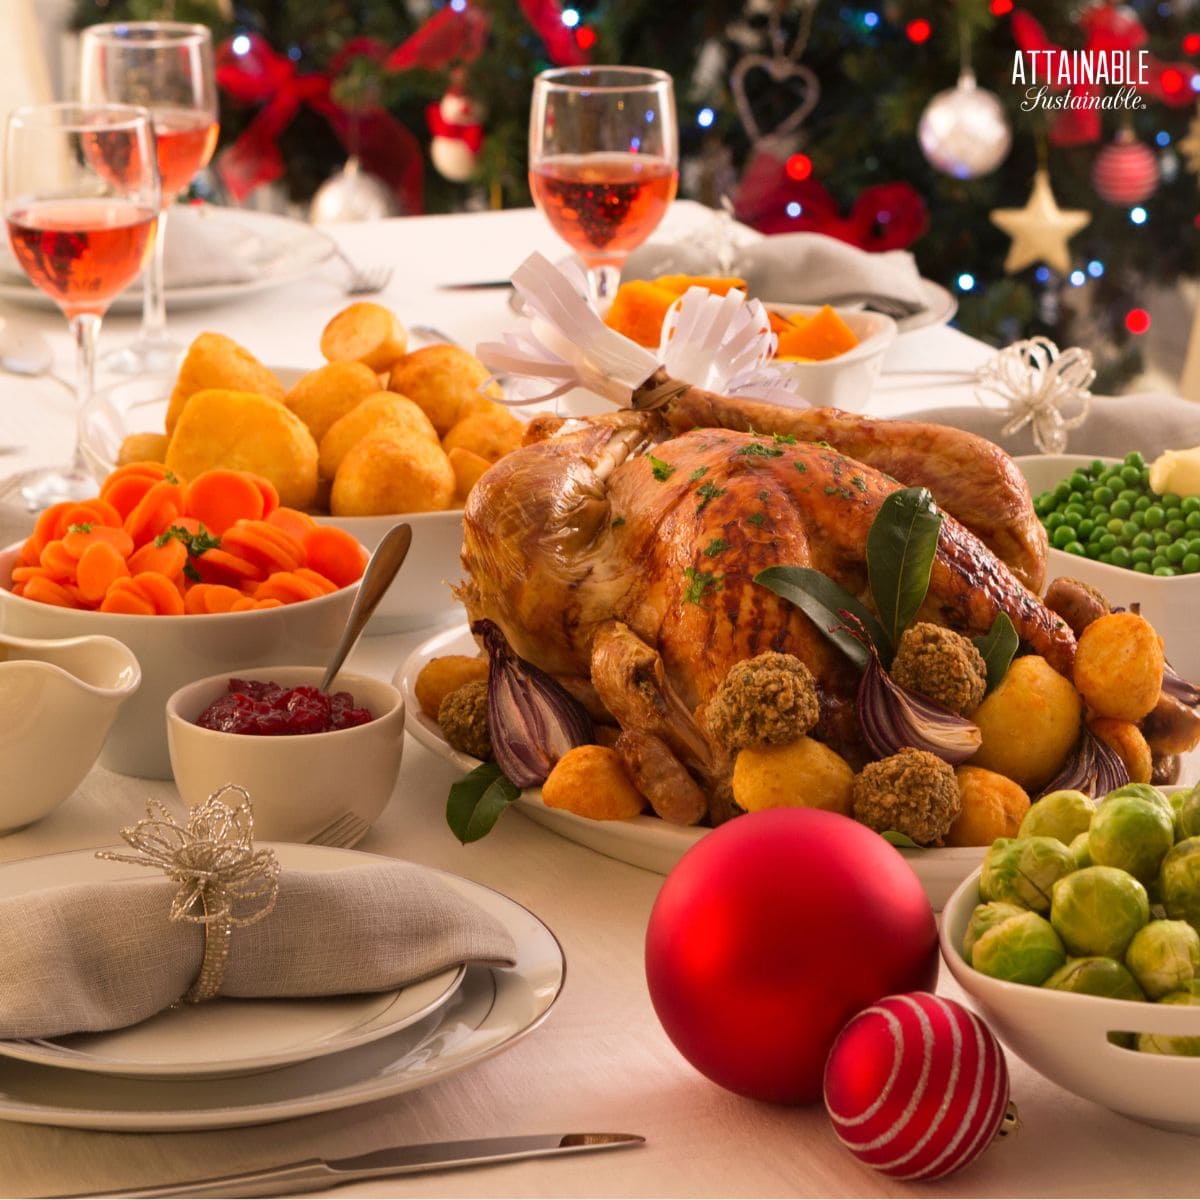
(1189, 145)
(1040, 231)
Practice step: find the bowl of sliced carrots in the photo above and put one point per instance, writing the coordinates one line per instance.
(196, 577)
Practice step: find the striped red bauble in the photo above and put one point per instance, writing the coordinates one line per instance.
(916, 1086)
(1125, 172)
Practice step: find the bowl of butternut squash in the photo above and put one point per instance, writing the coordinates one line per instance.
(833, 355)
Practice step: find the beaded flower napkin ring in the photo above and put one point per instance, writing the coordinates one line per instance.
(217, 868)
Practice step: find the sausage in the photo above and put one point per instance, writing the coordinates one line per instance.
(661, 778)
(1172, 727)
(1079, 604)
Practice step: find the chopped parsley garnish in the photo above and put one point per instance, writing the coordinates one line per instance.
(195, 543)
(784, 439)
(83, 527)
(662, 470)
(171, 477)
(756, 518)
(699, 584)
(801, 467)
(825, 445)
(618, 521)
(830, 490)
(698, 473)
(859, 482)
(709, 491)
(717, 546)
(764, 495)
(761, 450)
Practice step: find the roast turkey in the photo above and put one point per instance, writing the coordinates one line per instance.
(619, 552)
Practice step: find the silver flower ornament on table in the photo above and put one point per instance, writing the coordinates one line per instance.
(1039, 386)
(223, 881)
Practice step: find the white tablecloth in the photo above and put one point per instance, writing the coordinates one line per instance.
(601, 1061)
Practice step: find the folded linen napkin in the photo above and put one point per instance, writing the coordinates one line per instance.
(204, 248)
(1115, 425)
(93, 956)
(790, 268)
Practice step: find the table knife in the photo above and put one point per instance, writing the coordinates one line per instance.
(314, 1173)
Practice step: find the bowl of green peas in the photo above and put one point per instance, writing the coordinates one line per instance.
(1109, 529)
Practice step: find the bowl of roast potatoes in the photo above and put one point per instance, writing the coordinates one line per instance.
(374, 435)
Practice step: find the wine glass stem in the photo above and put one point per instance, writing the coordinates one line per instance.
(84, 329)
(603, 282)
(154, 303)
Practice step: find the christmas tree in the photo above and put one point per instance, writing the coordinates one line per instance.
(804, 112)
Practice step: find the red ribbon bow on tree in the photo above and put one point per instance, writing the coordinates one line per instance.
(886, 216)
(1107, 29)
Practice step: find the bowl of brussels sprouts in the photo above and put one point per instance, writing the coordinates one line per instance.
(1080, 945)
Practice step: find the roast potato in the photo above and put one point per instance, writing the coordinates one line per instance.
(392, 471)
(322, 396)
(444, 380)
(591, 781)
(142, 447)
(443, 675)
(993, 806)
(801, 774)
(1119, 666)
(491, 433)
(375, 412)
(1130, 745)
(244, 431)
(367, 333)
(216, 361)
(1029, 723)
(468, 467)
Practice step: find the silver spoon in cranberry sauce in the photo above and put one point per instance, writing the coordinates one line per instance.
(386, 559)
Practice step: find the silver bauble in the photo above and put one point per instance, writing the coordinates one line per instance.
(964, 130)
(351, 195)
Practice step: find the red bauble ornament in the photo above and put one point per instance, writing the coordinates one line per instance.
(770, 933)
(916, 1086)
(1125, 172)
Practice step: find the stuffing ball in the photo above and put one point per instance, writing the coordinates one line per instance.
(941, 664)
(769, 700)
(462, 716)
(913, 792)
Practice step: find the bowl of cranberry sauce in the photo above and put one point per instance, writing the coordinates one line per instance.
(307, 758)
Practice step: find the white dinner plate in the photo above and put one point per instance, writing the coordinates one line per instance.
(273, 251)
(492, 1009)
(224, 1036)
(642, 841)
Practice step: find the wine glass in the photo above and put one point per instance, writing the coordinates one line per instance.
(166, 67)
(603, 162)
(81, 198)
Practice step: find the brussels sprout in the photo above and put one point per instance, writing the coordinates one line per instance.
(1187, 813)
(984, 918)
(1179, 882)
(1141, 791)
(1023, 870)
(1023, 949)
(1096, 911)
(1060, 815)
(1163, 956)
(1099, 977)
(1132, 833)
(1165, 1043)
(1079, 850)
(1096, 976)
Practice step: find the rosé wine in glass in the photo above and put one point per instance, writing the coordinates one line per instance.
(81, 199)
(603, 161)
(167, 67)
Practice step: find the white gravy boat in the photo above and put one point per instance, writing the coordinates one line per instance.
(58, 699)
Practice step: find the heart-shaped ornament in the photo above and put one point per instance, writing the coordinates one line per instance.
(784, 75)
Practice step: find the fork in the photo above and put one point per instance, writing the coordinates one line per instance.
(344, 831)
(364, 281)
